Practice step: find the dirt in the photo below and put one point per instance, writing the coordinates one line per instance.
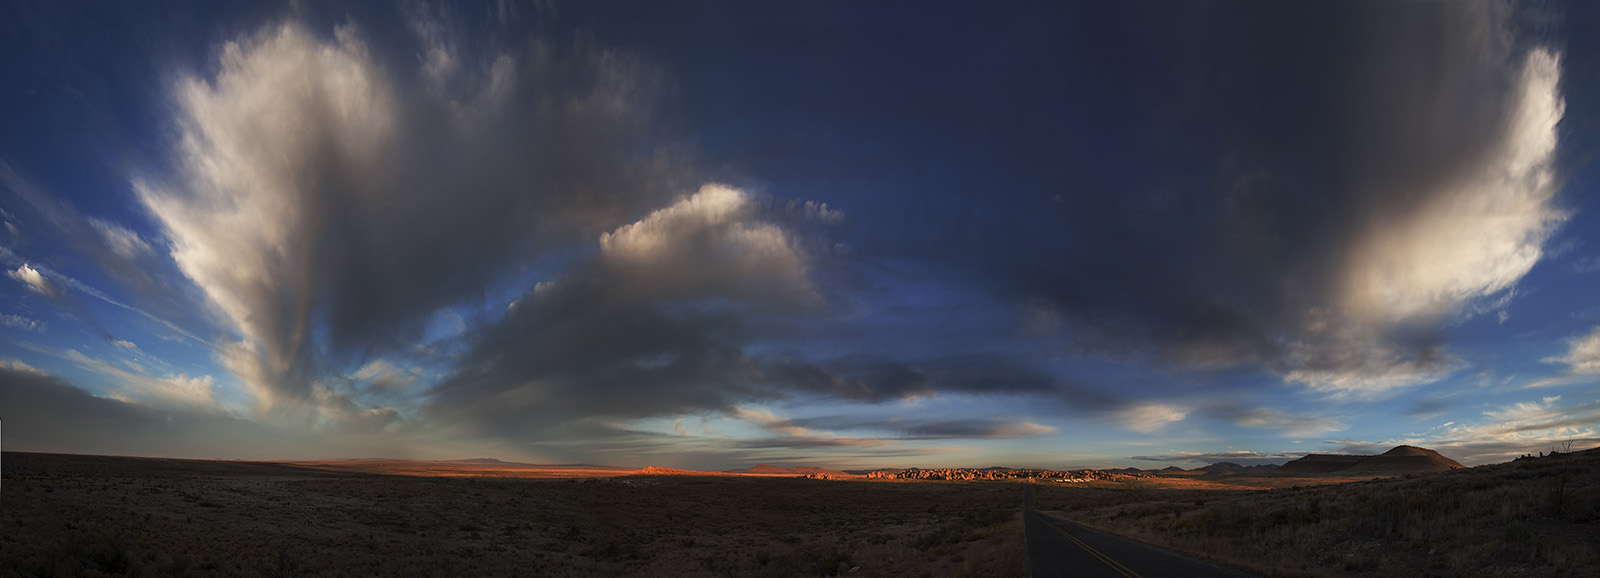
(96, 516)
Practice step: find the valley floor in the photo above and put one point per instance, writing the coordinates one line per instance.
(67, 515)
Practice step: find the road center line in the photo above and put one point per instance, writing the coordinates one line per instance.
(1093, 552)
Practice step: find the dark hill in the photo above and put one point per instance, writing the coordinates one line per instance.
(1320, 463)
(1403, 459)
(1400, 460)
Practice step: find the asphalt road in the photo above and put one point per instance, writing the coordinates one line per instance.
(1058, 548)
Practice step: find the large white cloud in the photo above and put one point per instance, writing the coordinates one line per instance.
(709, 239)
(1473, 232)
(327, 205)
(1481, 232)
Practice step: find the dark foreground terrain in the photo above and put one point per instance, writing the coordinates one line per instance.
(66, 515)
(1531, 517)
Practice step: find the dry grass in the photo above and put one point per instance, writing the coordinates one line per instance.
(97, 516)
(1517, 519)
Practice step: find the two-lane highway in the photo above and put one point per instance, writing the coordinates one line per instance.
(1058, 548)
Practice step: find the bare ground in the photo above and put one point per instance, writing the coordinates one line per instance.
(96, 516)
(1529, 518)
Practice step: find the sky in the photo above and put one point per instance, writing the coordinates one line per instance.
(715, 234)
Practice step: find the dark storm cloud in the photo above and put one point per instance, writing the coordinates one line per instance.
(47, 414)
(896, 428)
(1309, 189)
(660, 323)
(328, 202)
(1356, 142)
(808, 443)
(876, 378)
(656, 324)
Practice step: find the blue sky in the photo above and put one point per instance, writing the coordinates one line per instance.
(720, 234)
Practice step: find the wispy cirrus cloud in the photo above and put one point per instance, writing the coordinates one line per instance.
(1149, 417)
(1583, 354)
(1292, 424)
(1505, 432)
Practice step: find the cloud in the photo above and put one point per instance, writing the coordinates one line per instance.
(34, 281)
(52, 282)
(20, 322)
(793, 435)
(47, 414)
(765, 419)
(656, 325)
(1268, 418)
(1482, 229)
(901, 428)
(976, 429)
(1588, 264)
(1364, 366)
(374, 369)
(1149, 417)
(1505, 432)
(824, 442)
(1245, 458)
(120, 240)
(1347, 200)
(1583, 354)
(136, 384)
(158, 291)
(326, 205)
(710, 239)
(879, 378)
(15, 366)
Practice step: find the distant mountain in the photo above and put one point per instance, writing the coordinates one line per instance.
(477, 461)
(1233, 468)
(1171, 470)
(765, 469)
(1400, 460)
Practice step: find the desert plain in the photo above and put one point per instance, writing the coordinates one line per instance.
(74, 515)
